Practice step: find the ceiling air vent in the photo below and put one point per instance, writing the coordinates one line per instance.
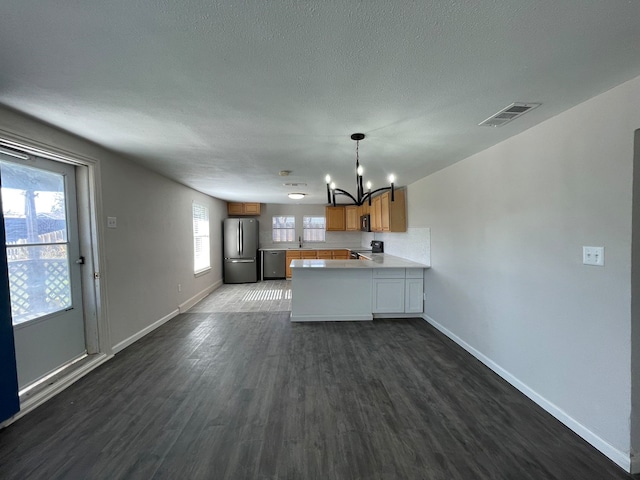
(507, 114)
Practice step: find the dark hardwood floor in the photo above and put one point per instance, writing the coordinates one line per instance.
(251, 396)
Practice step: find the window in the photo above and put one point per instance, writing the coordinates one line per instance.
(201, 250)
(284, 229)
(313, 228)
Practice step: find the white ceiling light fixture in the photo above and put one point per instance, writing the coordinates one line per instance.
(361, 196)
(296, 196)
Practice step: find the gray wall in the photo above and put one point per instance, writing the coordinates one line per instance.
(151, 251)
(635, 309)
(333, 239)
(507, 230)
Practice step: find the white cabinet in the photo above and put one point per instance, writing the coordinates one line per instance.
(413, 295)
(397, 290)
(388, 295)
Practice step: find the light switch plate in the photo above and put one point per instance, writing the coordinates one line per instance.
(593, 256)
(112, 222)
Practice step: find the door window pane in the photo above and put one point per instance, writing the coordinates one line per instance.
(34, 208)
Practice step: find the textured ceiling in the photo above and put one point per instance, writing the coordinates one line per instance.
(222, 95)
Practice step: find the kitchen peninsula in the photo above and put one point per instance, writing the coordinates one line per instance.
(356, 290)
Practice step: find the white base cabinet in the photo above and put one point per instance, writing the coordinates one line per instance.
(414, 295)
(388, 295)
(397, 290)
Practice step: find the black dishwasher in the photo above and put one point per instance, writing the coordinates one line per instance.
(274, 264)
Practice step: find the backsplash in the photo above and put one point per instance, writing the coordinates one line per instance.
(332, 239)
(414, 244)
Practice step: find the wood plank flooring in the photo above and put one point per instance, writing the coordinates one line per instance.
(248, 395)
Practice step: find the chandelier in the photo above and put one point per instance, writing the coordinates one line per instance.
(361, 195)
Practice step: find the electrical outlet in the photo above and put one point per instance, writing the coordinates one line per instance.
(112, 222)
(179, 287)
(593, 256)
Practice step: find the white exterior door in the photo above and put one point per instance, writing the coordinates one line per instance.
(40, 216)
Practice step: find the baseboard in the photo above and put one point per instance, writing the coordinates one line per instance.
(619, 457)
(185, 306)
(46, 394)
(635, 464)
(396, 315)
(330, 318)
(137, 336)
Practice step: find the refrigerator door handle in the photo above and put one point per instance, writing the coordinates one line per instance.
(238, 238)
(241, 239)
(242, 261)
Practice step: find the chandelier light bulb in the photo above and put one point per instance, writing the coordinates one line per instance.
(360, 170)
(333, 185)
(327, 178)
(392, 178)
(368, 185)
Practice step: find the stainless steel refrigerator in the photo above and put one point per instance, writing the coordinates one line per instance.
(240, 244)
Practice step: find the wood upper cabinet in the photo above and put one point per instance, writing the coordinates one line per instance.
(238, 208)
(385, 199)
(376, 214)
(335, 219)
(352, 218)
(388, 216)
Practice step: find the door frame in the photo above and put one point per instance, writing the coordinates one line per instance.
(91, 233)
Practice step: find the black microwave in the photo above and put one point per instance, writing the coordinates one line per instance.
(365, 223)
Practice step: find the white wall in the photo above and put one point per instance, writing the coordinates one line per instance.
(635, 311)
(151, 250)
(507, 230)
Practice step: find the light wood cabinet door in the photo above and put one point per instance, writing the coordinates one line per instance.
(291, 255)
(335, 219)
(309, 254)
(234, 208)
(384, 211)
(376, 214)
(352, 218)
(325, 254)
(252, 209)
(340, 255)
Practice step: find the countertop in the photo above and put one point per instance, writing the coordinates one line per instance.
(269, 249)
(378, 260)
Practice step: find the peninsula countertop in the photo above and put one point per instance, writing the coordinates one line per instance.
(303, 249)
(377, 260)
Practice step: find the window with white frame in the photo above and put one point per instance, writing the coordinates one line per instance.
(284, 229)
(313, 228)
(201, 249)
